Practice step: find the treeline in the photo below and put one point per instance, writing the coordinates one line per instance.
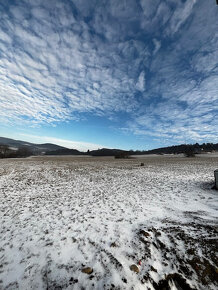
(187, 149)
(99, 152)
(183, 148)
(108, 152)
(7, 152)
(65, 151)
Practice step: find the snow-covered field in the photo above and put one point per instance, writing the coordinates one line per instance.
(61, 215)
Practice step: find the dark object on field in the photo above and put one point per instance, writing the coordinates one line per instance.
(122, 155)
(216, 2)
(142, 164)
(216, 179)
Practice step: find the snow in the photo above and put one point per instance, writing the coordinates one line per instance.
(59, 215)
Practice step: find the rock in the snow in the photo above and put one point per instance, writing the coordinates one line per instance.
(87, 270)
(134, 268)
(113, 245)
(144, 233)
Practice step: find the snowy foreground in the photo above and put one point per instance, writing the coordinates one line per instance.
(61, 215)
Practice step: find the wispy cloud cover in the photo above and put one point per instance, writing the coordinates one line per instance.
(149, 65)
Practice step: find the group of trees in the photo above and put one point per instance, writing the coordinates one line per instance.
(65, 151)
(7, 152)
(188, 150)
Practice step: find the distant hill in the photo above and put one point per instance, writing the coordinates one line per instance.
(27, 149)
(183, 148)
(176, 149)
(35, 148)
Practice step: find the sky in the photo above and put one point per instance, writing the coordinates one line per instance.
(130, 74)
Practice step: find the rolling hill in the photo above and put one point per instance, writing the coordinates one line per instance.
(35, 148)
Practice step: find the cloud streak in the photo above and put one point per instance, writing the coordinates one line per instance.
(59, 66)
(154, 61)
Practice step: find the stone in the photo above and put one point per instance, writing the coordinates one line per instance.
(144, 233)
(134, 268)
(87, 270)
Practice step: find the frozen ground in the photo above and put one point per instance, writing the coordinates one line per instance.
(61, 215)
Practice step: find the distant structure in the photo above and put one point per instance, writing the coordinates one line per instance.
(216, 178)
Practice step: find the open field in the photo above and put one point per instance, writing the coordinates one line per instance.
(60, 215)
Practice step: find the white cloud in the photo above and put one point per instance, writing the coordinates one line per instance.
(140, 85)
(170, 121)
(149, 7)
(180, 15)
(50, 74)
(206, 62)
(56, 65)
(157, 45)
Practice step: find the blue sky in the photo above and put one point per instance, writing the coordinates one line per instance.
(131, 74)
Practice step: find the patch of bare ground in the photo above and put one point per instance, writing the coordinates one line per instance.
(192, 257)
